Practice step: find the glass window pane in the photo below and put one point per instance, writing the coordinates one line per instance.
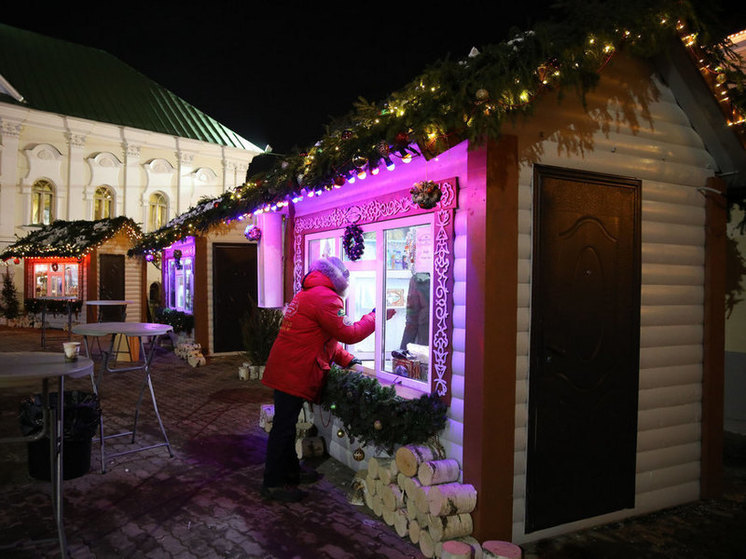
(71, 280)
(320, 248)
(406, 343)
(361, 299)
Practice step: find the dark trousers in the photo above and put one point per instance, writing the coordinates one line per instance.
(282, 465)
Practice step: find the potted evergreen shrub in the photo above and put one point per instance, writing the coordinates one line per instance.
(181, 322)
(259, 328)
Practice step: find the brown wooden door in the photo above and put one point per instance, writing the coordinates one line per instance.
(111, 286)
(234, 281)
(585, 326)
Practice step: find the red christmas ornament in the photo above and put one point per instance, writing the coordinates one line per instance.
(339, 180)
(401, 138)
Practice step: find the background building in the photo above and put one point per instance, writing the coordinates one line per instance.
(85, 136)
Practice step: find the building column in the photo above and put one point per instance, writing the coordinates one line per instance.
(10, 212)
(132, 187)
(75, 175)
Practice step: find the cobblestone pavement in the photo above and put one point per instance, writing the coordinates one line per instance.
(204, 502)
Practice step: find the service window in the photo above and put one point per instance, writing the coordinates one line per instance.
(55, 279)
(393, 272)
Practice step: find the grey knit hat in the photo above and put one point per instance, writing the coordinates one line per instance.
(333, 268)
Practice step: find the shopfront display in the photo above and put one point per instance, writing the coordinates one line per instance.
(178, 276)
(399, 266)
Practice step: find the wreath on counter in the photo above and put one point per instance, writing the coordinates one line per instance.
(353, 242)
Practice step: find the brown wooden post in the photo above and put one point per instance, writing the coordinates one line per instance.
(91, 287)
(490, 195)
(713, 378)
(288, 254)
(201, 316)
(144, 290)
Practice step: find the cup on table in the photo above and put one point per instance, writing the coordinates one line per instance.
(72, 349)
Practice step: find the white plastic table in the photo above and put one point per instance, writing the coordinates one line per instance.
(28, 367)
(109, 303)
(142, 331)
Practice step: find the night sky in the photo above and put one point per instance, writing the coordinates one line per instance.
(277, 73)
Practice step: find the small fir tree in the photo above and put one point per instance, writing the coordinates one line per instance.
(259, 328)
(10, 306)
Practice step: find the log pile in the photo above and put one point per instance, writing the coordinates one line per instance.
(418, 493)
(191, 353)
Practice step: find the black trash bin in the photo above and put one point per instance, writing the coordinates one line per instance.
(81, 420)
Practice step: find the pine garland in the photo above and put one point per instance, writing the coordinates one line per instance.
(374, 414)
(471, 98)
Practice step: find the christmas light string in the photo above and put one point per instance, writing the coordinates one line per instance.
(453, 101)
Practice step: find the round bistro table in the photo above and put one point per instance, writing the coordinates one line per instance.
(28, 367)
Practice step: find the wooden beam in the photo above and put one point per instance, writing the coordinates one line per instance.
(490, 195)
(201, 316)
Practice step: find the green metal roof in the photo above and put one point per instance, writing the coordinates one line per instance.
(69, 79)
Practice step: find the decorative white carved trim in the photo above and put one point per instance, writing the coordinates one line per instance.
(131, 151)
(44, 161)
(185, 158)
(159, 167)
(75, 140)
(204, 175)
(12, 129)
(105, 159)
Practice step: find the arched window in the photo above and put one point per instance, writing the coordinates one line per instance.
(42, 202)
(102, 203)
(158, 206)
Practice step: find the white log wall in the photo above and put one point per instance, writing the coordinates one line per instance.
(665, 152)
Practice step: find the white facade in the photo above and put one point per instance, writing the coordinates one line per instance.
(78, 156)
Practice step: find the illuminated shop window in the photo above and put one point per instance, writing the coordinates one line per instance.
(42, 202)
(102, 203)
(179, 278)
(393, 273)
(158, 208)
(56, 279)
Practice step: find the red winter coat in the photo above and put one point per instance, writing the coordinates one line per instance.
(313, 325)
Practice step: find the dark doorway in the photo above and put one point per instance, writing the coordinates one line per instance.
(111, 286)
(234, 280)
(585, 330)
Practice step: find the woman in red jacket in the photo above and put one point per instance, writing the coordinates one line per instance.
(313, 326)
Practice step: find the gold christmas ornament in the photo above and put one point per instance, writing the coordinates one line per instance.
(377, 425)
(482, 94)
(359, 454)
(340, 433)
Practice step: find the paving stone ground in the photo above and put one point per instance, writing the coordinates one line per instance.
(204, 502)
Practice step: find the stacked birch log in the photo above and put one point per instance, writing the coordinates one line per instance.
(418, 493)
(191, 353)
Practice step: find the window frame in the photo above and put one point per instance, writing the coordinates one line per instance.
(103, 200)
(42, 197)
(388, 211)
(377, 265)
(157, 210)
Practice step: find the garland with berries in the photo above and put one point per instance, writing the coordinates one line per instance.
(374, 414)
(353, 242)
